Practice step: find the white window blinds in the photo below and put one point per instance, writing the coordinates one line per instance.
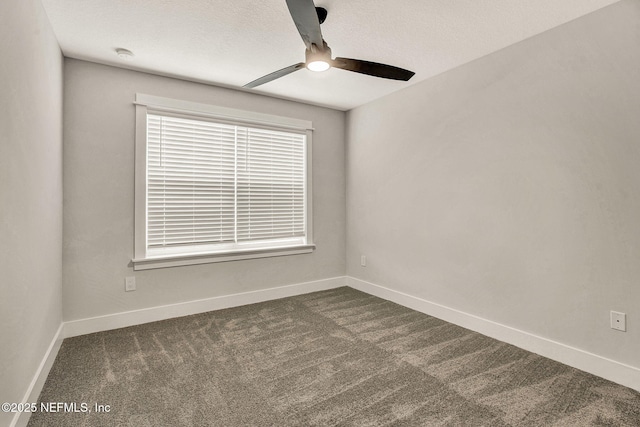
(216, 185)
(270, 184)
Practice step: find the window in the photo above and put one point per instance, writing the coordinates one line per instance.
(217, 184)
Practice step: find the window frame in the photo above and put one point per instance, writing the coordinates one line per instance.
(144, 104)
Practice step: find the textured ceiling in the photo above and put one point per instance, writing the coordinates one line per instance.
(231, 43)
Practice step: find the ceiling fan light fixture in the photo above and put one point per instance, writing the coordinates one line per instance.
(318, 59)
(318, 66)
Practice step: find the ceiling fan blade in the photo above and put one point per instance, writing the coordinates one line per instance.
(306, 19)
(373, 69)
(275, 75)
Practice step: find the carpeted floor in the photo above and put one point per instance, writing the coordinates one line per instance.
(337, 357)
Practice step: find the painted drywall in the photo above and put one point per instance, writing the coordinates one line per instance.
(509, 188)
(30, 194)
(99, 124)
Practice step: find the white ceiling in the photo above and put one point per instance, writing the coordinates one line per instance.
(231, 43)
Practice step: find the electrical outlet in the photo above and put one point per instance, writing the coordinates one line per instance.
(130, 283)
(618, 321)
(363, 260)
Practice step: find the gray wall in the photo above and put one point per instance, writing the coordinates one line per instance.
(30, 194)
(99, 118)
(509, 188)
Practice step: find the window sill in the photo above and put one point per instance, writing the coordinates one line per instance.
(206, 258)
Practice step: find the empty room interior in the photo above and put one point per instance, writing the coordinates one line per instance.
(209, 216)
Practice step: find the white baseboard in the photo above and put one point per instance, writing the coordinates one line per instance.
(620, 373)
(137, 317)
(20, 419)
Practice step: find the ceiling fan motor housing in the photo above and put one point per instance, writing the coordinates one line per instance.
(316, 54)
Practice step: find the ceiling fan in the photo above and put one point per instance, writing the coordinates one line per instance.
(308, 18)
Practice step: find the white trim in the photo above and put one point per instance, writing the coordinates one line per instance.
(612, 370)
(193, 259)
(308, 187)
(142, 258)
(140, 185)
(137, 317)
(177, 105)
(21, 419)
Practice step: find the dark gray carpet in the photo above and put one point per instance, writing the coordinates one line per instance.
(338, 357)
